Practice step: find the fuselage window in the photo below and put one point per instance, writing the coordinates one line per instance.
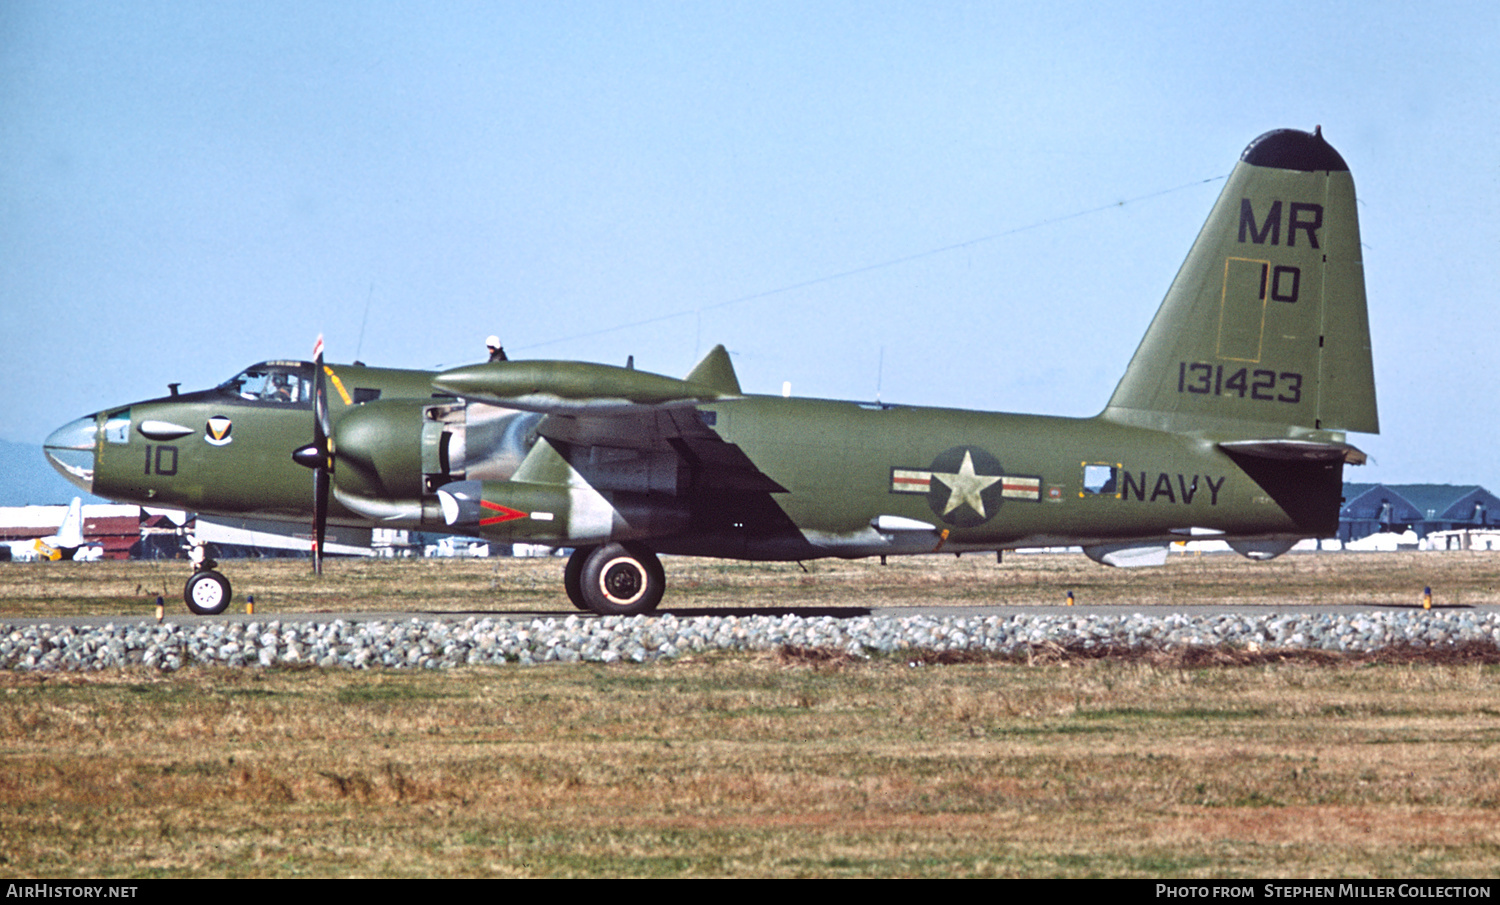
(1101, 479)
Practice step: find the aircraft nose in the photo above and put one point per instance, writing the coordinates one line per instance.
(70, 450)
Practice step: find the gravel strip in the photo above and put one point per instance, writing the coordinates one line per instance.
(418, 644)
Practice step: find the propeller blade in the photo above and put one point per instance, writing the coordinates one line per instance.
(320, 516)
(321, 480)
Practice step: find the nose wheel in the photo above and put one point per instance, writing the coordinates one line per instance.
(207, 593)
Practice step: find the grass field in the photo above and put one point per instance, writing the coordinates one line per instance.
(770, 765)
(535, 585)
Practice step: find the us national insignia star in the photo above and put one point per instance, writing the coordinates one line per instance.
(966, 486)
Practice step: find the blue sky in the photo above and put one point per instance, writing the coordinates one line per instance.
(188, 188)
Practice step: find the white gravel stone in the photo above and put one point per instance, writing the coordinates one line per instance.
(439, 644)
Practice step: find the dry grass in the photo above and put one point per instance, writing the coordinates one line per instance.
(753, 766)
(796, 764)
(535, 585)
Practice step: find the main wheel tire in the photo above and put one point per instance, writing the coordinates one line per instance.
(573, 577)
(207, 593)
(622, 580)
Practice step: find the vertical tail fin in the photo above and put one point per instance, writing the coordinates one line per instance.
(70, 534)
(1264, 331)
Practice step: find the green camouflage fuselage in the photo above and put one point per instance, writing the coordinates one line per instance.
(838, 467)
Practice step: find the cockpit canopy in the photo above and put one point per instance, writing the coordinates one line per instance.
(277, 382)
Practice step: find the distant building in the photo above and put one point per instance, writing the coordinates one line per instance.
(1421, 508)
(112, 527)
(117, 531)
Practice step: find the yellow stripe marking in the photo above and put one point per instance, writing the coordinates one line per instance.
(338, 385)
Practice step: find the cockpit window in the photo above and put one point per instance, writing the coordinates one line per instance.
(276, 382)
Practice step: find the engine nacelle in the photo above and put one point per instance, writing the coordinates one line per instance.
(404, 449)
(377, 450)
(437, 463)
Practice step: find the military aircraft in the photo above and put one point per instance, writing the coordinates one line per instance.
(1230, 422)
(65, 544)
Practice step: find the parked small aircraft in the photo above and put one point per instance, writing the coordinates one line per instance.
(65, 544)
(1230, 422)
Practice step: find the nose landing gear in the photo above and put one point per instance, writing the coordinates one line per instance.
(207, 593)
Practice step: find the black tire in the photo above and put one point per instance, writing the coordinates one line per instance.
(573, 577)
(207, 593)
(622, 580)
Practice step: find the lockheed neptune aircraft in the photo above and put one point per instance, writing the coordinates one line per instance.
(1230, 422)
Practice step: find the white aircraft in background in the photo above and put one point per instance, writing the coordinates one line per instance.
(67, 543)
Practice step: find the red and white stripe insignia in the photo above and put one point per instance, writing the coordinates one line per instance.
(906, 481)
(1021, 488)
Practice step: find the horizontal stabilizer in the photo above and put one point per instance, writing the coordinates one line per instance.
(1296, 450)
(574, 387)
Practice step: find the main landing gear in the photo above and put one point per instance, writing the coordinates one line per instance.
(207, 593)
(614, 579)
